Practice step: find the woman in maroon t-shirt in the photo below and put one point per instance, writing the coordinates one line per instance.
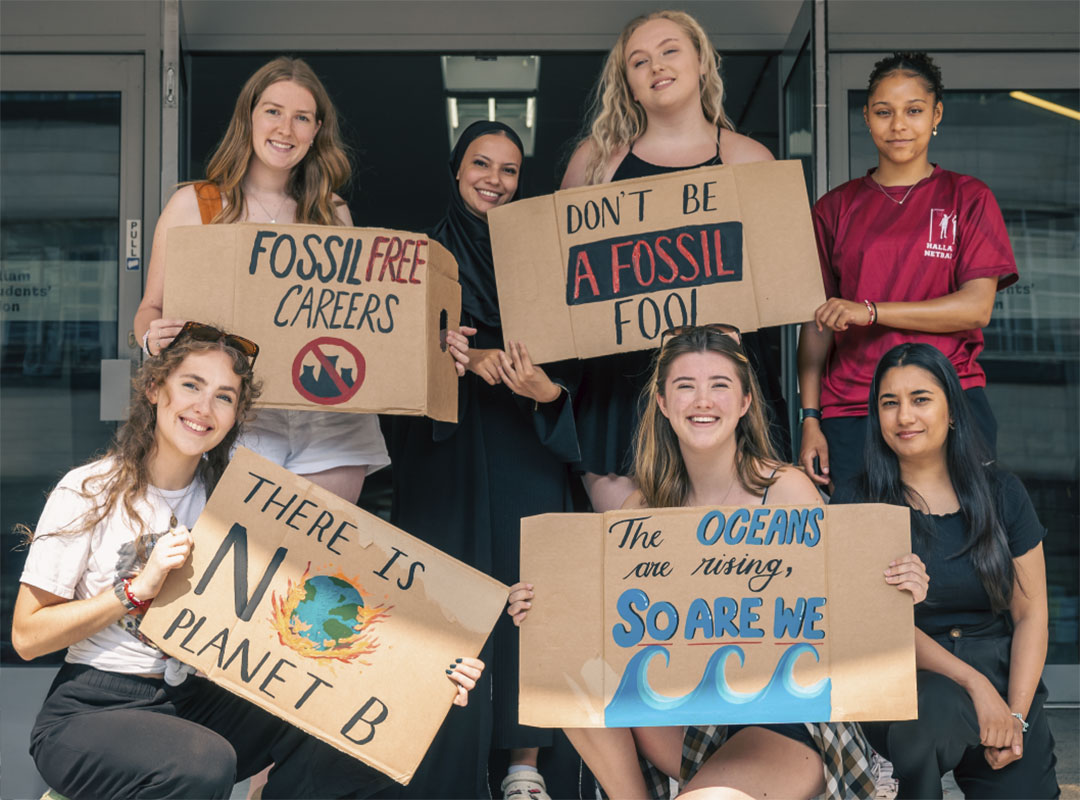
(910, 252)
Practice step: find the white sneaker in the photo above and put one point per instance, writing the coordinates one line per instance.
(524, 785)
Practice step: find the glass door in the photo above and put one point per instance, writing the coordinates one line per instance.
(802, 137)
(71, 153)
(1012, 120)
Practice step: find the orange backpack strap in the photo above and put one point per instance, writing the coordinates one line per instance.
(210, 203)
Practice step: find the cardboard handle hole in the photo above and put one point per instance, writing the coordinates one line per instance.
(442, 329)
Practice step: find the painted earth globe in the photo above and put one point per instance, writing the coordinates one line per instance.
(328, 611)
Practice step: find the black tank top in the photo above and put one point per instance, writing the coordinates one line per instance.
(633, 167)
(754, 343)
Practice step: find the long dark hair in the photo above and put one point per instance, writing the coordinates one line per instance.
(974, 479)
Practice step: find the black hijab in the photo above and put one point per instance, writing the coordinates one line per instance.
(467, 237)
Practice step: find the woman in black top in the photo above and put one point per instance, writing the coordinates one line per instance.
(658, 109)
(981, 637)
(464, 487)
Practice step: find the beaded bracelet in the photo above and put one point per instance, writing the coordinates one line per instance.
(122, 590)
(873, 311)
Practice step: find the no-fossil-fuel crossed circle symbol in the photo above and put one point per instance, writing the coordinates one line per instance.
(328, 371)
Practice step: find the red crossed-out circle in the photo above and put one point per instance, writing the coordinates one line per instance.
(344, 391)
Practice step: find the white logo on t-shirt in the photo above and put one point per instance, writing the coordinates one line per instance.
(942, 239)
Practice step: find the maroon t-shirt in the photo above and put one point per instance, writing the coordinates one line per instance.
(948, 231)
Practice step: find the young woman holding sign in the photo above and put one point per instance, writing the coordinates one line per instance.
(109, 535)
(703, 441)
(909, 252)
(464, 487)
(658, 109)
(980, 640)
(281, 161)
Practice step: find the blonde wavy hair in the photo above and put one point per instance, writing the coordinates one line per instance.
(659, 469)
(616, 119)
(125, 481)
(324, 169)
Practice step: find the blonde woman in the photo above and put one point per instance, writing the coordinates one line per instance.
(281, 161)
(657, 108)
(703, 441)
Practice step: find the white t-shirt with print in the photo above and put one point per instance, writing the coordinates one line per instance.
(84, 565)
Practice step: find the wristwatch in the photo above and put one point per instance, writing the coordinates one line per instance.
(122, 590)
(809, 413)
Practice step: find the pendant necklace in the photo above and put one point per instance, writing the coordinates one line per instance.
(173, 521)
(273, 217)
(907, 194)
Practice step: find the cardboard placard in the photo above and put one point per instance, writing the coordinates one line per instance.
(347, 319)
(323, 614)
(698, 616)
(605, 269)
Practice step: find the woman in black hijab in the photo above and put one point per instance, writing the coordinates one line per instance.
(465, 487)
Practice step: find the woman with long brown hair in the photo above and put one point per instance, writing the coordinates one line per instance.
(703, 441)
(658, 108)
(280, 161)
(116, 723)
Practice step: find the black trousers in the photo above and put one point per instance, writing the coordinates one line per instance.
(846, 436)
(105, 735)
(946, 734)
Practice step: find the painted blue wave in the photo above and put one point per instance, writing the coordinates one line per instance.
(712, 701)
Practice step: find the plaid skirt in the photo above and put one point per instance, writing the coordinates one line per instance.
(845, 754)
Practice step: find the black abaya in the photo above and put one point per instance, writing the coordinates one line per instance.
(464, 489)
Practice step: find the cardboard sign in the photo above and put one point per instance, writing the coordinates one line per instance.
(347, 319)
(697, 616)
(605, 269)
(324, 614)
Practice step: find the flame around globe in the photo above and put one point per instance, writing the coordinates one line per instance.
(327, 617)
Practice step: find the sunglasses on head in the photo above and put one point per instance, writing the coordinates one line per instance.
(201, 332)
(722, 328)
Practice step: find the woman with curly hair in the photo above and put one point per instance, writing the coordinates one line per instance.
(658, 108)
(703, 441)
(113, 724)
(281, 161)
(910, 252)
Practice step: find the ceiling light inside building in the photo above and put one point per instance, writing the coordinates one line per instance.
(1065, 111)
(492, 87)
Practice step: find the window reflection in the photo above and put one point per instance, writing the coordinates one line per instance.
(59, 240)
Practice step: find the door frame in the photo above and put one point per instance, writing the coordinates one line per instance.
(809, 35)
